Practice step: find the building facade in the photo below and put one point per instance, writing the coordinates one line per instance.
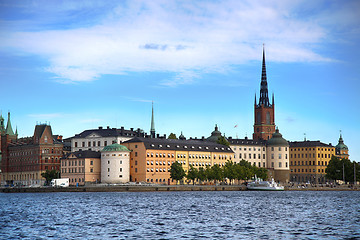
(115, 164)
(308, 161)
(81, 167)
(24, 159)
(341, 150)
(253, 151)
(264, 112)
(151, 158)
(97, 139)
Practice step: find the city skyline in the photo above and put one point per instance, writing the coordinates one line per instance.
(80, 65)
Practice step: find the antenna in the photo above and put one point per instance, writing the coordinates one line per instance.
(304, 137)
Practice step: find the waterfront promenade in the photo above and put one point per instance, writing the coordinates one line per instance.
(164, 188)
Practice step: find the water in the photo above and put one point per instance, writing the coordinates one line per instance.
(180, 215)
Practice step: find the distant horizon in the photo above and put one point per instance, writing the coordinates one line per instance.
(83, 64)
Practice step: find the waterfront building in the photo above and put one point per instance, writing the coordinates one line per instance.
(81, 167)
(341, 150)
(24, 159)
(151, 158)
(97, 139)
(253, 151)
(115, 164)
(264, 121)
(308, 161)
(277, 152)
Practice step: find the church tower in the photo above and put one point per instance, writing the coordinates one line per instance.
(264, 125)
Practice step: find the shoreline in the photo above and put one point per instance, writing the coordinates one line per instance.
(162, 188)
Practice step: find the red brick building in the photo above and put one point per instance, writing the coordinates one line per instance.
(23, 160)
(264, 125)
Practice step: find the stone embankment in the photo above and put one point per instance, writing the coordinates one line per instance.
(165, 188)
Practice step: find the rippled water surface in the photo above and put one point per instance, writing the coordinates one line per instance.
(180, 215)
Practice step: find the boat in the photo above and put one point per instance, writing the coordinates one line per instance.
(260, 185)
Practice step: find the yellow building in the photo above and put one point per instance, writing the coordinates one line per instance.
(81, 167)
(308, 161)
(151, 158)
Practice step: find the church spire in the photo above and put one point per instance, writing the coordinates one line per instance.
(152, 129)
(9, 129)
(264, 98)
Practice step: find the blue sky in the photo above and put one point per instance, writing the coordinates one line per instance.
(84, 64)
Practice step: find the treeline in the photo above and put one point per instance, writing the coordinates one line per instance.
(230, 171)
(340, 169)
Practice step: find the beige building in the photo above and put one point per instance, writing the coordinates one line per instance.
(253, 151)
(115, 164)
(151, 158)
(81, 167)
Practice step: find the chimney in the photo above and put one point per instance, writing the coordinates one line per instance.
(100, 127)
(108, 127)
(157, 135)
(132, 129)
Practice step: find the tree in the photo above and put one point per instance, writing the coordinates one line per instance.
(172, 136)
(176, 171)
(337, 167)
(230, 171)
(222, 140)
(261, 173)
(217, 173)
(201, 174)
(50, 175)
(192, 174)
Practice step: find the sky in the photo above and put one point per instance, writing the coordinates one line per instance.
(78, 65)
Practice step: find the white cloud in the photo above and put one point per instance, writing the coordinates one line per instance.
(186, 38)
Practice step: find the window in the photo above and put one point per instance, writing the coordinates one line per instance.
(136, 170)
(272, 148)
(83, 144)
(76, 144)
(279, 155)
(272, 164)
(286, 164)
(91, 162)
(135, 152)
(91, 170)
(108, 169)
(105, 143)
(121, 161)
(272, 156)
(120, 169)
(135, 146)
(279, 148)
(98, 143)
(279, 164)
(136, 162)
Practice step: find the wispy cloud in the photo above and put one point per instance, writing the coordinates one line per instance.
(47, 115)
(179, 37)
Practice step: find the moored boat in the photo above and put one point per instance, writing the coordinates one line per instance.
(261, 185)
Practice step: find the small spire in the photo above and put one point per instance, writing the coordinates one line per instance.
(152, 128)
(304, 137)
(273, 99)
(255, 99)
(9, 129)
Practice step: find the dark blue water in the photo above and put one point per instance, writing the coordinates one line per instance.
(180, 215)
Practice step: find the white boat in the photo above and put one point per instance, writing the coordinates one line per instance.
(261, 185)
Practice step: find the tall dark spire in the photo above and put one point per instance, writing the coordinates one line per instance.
(264, 98)
(152, 128)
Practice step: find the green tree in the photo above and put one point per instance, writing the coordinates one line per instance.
(222, 140)
(217, 173)
(230, 171)
(192, 174)
(336, 169)
(50, 175)
(177, 172)
(201, 174)
(172, 136)
(261, 173)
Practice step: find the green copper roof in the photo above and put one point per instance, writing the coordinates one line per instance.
(214, 135)
(277, 140)
(115, 148)
(341, 145)
(9, 129)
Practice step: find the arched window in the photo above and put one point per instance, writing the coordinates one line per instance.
(268, 118)
(258, 117)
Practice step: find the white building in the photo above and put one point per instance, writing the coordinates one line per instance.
(115, 164)
(253, 151)
(97, 139)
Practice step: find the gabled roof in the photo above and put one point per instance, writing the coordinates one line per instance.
(85, 154)
(181, 145)
(309, 144)
(246, 141)
(109, 132)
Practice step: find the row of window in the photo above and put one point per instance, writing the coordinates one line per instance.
(302, 170)
(159, 155)
(157, 170)
(254, 148)
(159, 180)
(28, 176)
(280, 164)
(73, 170)
(320, 163)
(158, 163)
(320, 155)
(69, 163)
(306, 149)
